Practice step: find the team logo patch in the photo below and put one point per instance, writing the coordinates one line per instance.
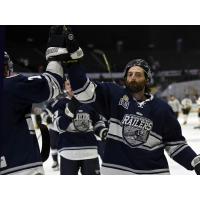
(124, 101)
(82, 122)
(136, 129)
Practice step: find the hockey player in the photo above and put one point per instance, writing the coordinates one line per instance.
(175, 104)
(186, 104)
(77, 143)
(19, 147)
(141, 125)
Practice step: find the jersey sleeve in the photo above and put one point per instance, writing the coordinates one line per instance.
(60, 120)
(175, 143)
(87, 91)
(35, 89)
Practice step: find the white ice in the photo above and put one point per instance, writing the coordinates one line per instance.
(192, 136)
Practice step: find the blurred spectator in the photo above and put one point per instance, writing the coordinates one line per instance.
(186, 104)
(198, 112)
(175, 104)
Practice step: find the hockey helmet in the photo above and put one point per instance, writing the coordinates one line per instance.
(141, 63)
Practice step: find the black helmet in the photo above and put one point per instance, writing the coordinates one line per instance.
(141, 63)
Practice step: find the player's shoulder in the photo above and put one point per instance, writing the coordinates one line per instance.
(112, 87)
(161, 104)
(12, 81)
(14, 77)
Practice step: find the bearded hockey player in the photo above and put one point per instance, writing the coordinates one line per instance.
(19, 147)
(141, 125)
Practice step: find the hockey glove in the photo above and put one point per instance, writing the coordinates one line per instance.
(62, 45)
(56, 45)
(72, 45)
(103, 134)
(49, 120)
(196, 164)
(72, 107)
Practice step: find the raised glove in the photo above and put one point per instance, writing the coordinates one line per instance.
(196, 164)
(62, 45)
(56, 45)
(71, 44)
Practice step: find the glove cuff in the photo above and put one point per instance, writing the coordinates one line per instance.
(195, 161)
(55, 51)
(77, 54)
(103, 133)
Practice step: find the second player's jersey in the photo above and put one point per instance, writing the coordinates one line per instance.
(77, 140)
(19, 146)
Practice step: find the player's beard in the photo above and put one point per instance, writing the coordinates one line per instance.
(135, 87)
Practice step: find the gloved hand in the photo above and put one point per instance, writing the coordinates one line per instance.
(56, 45)
(56, 37)
(49, 120)
(103, 134)
(62, 45)
(71, 44)
(196, 164)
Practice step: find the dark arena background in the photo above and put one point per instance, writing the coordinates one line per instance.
(172, 51)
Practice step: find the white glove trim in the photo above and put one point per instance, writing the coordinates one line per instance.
(195, 161)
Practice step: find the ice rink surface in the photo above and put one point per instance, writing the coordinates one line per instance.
(192, 136)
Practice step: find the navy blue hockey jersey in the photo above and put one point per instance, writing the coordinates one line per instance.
(77, 140)
(19, 146)
(139, 132)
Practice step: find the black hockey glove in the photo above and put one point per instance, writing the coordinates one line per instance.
(103, 134)
(56, 45)
(62, 45)
(72, 45)
(72, 107)
(56, 37)
(49, 120)
(196, 164)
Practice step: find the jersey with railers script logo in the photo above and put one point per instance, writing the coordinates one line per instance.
(19, 146)
(139, 132)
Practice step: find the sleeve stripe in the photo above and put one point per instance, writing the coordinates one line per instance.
(91, 100)
(179, 150)
(175, 149)
(83, 88)
(99, 124)
(56, 125)
(53, 85)
(50, 87)
(55, 82)
(86, 94)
